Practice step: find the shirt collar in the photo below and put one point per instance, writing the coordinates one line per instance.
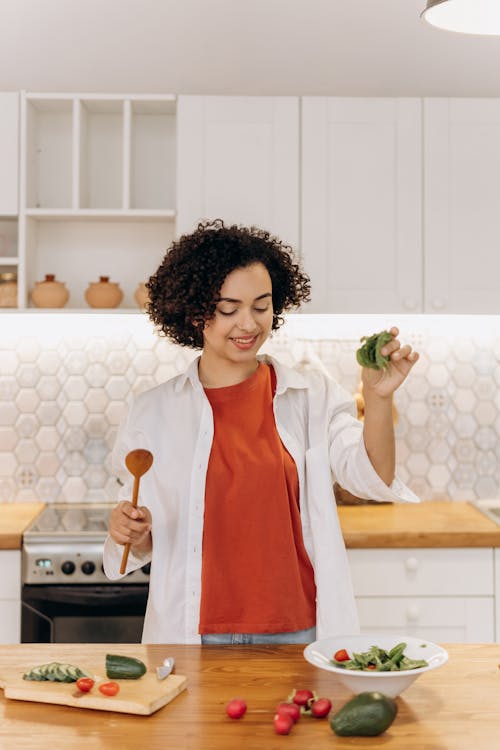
(191, 374)
(286, 377)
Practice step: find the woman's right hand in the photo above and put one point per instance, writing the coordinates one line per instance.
(131, 525)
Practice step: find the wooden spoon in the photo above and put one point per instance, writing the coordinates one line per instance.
(137, 462)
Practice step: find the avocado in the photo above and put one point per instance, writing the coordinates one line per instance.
(365, 715)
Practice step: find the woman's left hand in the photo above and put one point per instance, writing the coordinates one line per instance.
(383, 383)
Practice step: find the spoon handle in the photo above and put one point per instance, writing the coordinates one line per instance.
(126, 550)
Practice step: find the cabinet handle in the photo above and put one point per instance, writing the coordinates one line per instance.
(412, 613)
(438, 303)
(409, 303)
(411, 564)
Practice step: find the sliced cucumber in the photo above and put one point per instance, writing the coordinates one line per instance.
(55, 671)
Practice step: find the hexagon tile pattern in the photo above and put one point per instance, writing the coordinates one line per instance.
(61, 402)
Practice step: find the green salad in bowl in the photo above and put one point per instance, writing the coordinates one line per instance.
(379, 662)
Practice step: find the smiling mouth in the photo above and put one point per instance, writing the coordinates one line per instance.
(244, 342)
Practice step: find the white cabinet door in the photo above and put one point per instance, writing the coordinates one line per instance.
(462, 217)
(238, 160)
(9, 153)
(10, 596)
(435, 594)
(361, 204)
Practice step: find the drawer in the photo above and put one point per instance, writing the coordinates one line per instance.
(10, 580)
(444, 620)
(426, 572)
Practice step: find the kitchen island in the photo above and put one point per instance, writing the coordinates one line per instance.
(455, 707)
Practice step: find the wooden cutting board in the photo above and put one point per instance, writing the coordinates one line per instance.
(143, 696)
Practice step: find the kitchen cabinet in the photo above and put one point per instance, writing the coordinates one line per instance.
(445, 595)
(97, 193)
(361, 204)
(9, 153)
(10, 596)
(391, 202)
(9, 181)
(462, 221)
(497, 594)
(238, 159)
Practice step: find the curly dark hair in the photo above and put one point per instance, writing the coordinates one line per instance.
(184, 291)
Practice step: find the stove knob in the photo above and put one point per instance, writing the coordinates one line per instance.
(68, 567)
(88, 567)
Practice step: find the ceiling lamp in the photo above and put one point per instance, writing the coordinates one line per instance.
(465, 16)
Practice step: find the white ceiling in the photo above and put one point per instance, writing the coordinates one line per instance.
(315, 47)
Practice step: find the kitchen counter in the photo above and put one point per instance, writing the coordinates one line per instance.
(427, 524)
(454, 707)
(16, 517)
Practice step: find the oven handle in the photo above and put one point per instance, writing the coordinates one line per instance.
(43, 616)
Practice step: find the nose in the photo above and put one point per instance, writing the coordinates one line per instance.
(246, 321)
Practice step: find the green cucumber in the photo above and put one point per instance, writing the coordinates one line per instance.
(365, 715)
(124, 667)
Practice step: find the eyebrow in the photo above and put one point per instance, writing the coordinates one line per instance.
(230, 299)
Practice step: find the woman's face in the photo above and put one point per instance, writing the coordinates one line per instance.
(243, 317)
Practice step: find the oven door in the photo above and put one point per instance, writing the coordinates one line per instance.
(83, 613)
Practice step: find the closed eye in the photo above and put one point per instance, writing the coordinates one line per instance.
(256, 309)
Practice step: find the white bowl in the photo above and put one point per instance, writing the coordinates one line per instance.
(320, 654)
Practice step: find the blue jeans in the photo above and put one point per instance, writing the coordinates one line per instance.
(226, 639)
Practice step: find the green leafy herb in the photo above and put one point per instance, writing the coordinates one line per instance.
(368, 355)
(379, 660)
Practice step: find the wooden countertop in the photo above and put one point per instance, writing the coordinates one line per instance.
(454, 707)
(15, 518)
(426, 524)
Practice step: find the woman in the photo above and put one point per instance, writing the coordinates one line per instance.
(239, 519)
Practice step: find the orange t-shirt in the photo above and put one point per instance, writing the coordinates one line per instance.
(256, 574)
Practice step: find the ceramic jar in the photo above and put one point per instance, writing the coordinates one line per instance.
(49, 292)
(141, 295)
(103, 293)
(8, 289)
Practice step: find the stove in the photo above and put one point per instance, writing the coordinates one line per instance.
(64, 545)
(65, 595)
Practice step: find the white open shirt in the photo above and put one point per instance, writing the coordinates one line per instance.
(315, 418)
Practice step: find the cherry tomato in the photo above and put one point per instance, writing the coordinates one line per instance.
(85, 684)
(341, 655)
(320, 708)
(283, 723)
(109, 688)
(236, 708)
(289, 709)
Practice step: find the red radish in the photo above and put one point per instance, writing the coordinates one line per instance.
(283, 723)
(341, 655)
(301, 697)
(289, 709)
(236, 708)
(320, 708)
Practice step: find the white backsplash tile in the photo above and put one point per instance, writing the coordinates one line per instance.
(62, 396)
